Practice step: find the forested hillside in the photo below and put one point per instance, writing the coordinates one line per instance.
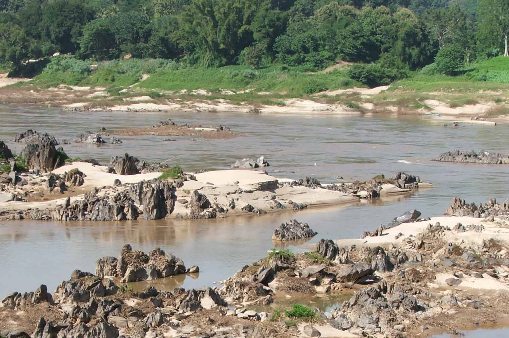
(388, 37)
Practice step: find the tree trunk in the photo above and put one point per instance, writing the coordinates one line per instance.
(506, 51)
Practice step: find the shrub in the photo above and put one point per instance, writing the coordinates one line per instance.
(172, 173)
(314, 86)
(20, 164)
(281, 254)
(373, 75)
(300, 311)
(450, 60)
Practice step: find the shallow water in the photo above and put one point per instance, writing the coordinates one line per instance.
(480, 333)
(325, 147)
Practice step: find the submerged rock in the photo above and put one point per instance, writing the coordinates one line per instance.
(249, 163)
(293, 230)
(135, 266)
(482, 157)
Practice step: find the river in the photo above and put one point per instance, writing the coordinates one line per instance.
(325, 147)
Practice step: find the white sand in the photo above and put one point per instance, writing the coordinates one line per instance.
(468, 282)
(98, 176)
(245, 179)
(5, 81)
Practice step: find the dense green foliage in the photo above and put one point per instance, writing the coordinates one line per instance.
(387, 39)
(300, 311)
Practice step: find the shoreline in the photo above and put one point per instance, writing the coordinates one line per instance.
(353, 101)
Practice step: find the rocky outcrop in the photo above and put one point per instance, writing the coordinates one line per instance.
(91, 138)
(492, 208)
(5, 152)
(125, 165)
(40, 153)
(293, 230)
(482, 157)
(134, 265)
(200, 206)
(154, 200)
(19, 301)
(157, 198)
(249, 163)
(74, 177)
(32, 135)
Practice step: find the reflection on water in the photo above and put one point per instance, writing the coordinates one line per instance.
(324, 147)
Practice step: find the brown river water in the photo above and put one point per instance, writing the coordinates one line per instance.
(325, 147)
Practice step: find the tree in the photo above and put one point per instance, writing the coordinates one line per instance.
(450, 59)
(98, 41)
(493, 31)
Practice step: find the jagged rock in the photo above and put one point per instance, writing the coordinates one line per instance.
(158, 198)
(5, 152)
(328, 249)
(406, 181)
(199, 205)
(293, 230)
(74, 177)
(40, 154)
(210, 299)
(154, 319)
(91, 138)
(126, 165)
(354, 272)
(19, 301)
(381, 261)
(30, 135)
(310, 182)
(312, 270)
(407, 217)
(115, 140)
(483, 157)
(459, 207)
(106, 267)
(265, 275)
(248, 163)
(134, 266)
(310, 331)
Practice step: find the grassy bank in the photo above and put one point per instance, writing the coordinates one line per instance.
(486, 81)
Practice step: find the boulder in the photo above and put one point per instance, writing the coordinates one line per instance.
(354, 272)
(106, 267)
(328, 249)
(125, 165)
(40, 154)
(293, 230)
(31, 135)
(74, 177)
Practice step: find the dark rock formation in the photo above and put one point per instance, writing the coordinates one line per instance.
(328, 249)
(40, 153)
(134, 266)
(491, 208)
(31, 135)
(20, 301)
(482, 157)
(126, 165)
(74, 177)
(5, 152)
(91, 138)
(293, 230)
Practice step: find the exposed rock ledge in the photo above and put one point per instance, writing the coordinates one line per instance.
(106, 196)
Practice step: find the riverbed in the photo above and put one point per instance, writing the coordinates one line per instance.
(326, 147)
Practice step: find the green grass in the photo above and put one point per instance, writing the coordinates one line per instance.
(281, 254)
(300, 311)
(275, 79)
(172, 173)
(316, 258)
(5, 168)
(21, 164)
